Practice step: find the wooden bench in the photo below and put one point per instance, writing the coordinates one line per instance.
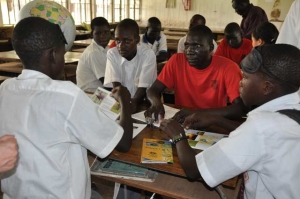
(3, 78)
(11, 69)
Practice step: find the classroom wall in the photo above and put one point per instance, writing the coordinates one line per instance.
(218, 13)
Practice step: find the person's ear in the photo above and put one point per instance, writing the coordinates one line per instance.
(211, 47)
(260, 42)
(137, 39)
(268, 87)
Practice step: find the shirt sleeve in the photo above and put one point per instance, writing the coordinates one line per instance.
(163, 43)
(149, 70)
(180, 48)
(242, 150)
(113, 69)
(253, 21)
(98, 64)
(233, 76)
(167, 75)
(91, 127)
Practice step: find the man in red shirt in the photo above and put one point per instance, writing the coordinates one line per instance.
(234, 47)
(200, 80)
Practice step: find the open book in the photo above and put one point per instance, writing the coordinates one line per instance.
(110, 107)
(157, 151)
(201, 139)
(116, 169)
(169, 113)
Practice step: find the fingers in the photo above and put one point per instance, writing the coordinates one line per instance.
(7, 137)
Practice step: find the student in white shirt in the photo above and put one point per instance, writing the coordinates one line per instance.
(266, 147)
(129, 64)
(54, 121)
(91, 66)
(155, 39)
(195, 20)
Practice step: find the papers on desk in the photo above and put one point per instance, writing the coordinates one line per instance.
(116, 169)
(110, 107)
(137, 128)
(169, 113)
(201, 139)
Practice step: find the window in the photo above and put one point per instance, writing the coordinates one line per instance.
(81, 10)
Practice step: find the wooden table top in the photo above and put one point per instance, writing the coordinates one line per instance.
(173, 39)
(70, 57)
(133, 156)
(87, 42)
(175, 33)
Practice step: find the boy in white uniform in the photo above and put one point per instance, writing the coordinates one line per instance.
(91, 66)
(54, 121)
(266, 147)
(129, 64)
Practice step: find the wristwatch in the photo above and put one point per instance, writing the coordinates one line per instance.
(178, 138)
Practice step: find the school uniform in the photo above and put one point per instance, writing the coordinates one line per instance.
(141, 71)
(265, 147)
(159, 45)
(180, 48)
(54, 123)
(91, 67)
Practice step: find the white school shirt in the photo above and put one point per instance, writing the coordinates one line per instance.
(266, 147)
(141, 71)
(91, 67)
(180, 48)
(54, 123)
(159, 45)
(290, 30)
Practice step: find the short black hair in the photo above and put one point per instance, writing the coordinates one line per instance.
(130, 24)
(241, 1)
(32, 36)
(267, 32)
(206, 31)
(232, 27)
(154, 22)
(98, 21)
(200, 17)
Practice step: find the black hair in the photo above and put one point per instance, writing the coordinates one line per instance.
(241, 1)
(267, 32)
(32, 36)
(154, 22)
(282, 62)
(98, 21)
(200, 17)
(130, 24)
(206, 31)
(232, 27)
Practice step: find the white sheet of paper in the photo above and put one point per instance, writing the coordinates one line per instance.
(137, 128)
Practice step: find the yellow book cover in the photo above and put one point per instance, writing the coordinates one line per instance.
(157, 151)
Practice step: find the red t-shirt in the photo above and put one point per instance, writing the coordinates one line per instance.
(113, 44)
(234, 54)
(208, 88)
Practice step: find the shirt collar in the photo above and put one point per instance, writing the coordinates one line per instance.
(278, 103)
(32, 74)
(100, 47)
(144, 38)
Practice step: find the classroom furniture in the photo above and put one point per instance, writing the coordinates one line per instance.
(171, 180)
(3, 78)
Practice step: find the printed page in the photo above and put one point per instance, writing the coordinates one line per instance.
(201, 139)
(110, 107)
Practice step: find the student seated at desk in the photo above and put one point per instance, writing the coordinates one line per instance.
(266, 147)
(91, 66)
(264, 33)
(54, 121)
(200, 80)
(129, 64)
(234, 47)
(195, 20)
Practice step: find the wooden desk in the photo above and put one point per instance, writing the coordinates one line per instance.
(86, 42)
(175, 33)
(173, 39)
(3, 78)
(9, 56)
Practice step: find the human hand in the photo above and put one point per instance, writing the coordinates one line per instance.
(182, 114)
(8, 152)
(156, 109)
(199, 120)
(121, 94)
(171, 127)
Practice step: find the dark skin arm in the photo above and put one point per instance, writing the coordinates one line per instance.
(122, 95)
(101, 79)
(154, 96)
(185, 153)
(162, 56)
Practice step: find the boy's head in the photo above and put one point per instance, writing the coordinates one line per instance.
(269, 72)
(40, 45)
(100, 31)
(233, 35)
(197, 20)
(198, 46)
(264, 33)
(127, 37)
(240, 6)
(153, 29)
